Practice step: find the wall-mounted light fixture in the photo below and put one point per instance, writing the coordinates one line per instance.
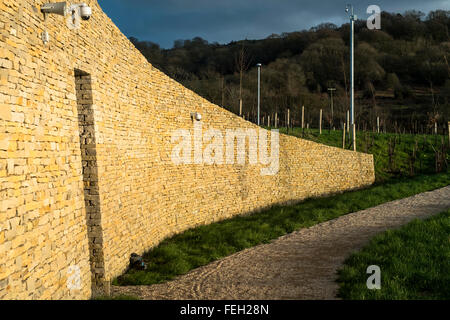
(59, 8)
(196, 116)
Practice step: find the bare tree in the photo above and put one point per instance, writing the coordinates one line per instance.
(242, 64)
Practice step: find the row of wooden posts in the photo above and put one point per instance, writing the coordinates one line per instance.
(268, 123)
(346, 125)
(288, 124)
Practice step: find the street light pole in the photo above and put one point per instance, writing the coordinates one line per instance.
(259, 91)
(353, 18)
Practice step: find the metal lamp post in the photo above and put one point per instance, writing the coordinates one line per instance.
(353, 18)
(259, 92)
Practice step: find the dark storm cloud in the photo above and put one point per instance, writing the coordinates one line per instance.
(163, 21)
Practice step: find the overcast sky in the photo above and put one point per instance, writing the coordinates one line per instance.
(164, 21)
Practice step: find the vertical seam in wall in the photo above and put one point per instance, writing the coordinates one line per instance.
(86, 123)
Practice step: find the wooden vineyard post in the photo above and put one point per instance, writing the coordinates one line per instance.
(303, 117)
(348, 121)
(343, 136)
(288, 119)
(449, 133)
(320, 121)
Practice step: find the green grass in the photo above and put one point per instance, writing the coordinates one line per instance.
(200, 246)
(377, 144)
(414, 263)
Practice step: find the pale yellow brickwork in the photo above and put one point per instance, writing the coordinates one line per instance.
(133, 196)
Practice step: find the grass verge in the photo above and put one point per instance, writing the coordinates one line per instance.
(414, 263)
(202, 245)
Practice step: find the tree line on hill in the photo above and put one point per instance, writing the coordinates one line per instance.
(402, 72)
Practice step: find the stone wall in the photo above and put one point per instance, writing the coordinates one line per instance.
(86, 175)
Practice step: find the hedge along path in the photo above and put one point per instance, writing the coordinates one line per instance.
(301, 265)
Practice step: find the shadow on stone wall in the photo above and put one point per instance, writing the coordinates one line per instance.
(90, 178)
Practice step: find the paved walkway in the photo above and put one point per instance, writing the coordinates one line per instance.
(301, 265)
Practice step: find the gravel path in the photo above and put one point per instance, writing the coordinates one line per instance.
(301, 265)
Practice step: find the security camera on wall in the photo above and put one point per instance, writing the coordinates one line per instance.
(61, 8)
(76, 12)
(85, 11)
